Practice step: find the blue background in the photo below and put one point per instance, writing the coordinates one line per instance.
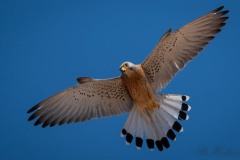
(45, 45)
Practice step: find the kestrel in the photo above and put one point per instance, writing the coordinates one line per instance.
(152, 116)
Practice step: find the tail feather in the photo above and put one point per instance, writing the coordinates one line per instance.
(170, 110)
(176, 97)
(151, 131)
(156, 125)
(177, 104)
(167, 118)
(162, 124)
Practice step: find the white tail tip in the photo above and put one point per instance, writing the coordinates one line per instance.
(139, 148)
(127, 143)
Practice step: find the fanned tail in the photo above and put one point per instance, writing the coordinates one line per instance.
(156, 125)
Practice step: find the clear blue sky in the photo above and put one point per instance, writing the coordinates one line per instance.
(45, 45)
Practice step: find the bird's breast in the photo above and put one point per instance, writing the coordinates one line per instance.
(138, 87)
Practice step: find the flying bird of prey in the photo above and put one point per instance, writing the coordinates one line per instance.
(153, 116)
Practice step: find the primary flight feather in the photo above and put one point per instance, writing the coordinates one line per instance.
(152, 116)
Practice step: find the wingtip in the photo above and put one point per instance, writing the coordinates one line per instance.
(225, 12)
(31, 117)
(36, 123)
(218, 9)
(37, 106)
(45, 124)
(30, 110)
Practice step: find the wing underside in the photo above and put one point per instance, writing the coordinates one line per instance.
(91, 99)
(176, 49)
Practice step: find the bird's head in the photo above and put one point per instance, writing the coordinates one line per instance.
(130, 70)
(128, 67)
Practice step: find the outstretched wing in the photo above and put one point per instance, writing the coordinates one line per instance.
(175, 49)
(90, 99)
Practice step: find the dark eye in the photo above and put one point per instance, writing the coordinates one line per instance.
(131, 68)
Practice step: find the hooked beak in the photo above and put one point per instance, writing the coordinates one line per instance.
(123, 69)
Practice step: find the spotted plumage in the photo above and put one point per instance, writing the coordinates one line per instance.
(153, 117)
